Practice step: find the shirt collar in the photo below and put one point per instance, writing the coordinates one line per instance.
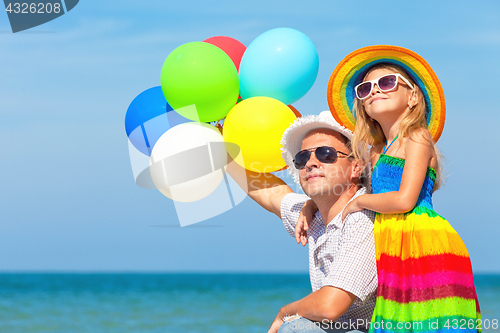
(337, 220)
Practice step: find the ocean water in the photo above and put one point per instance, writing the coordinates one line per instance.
(124, 303)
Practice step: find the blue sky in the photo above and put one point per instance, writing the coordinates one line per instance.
(68, 197)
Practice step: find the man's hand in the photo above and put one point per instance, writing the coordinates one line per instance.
(326, 303)
(275, 326)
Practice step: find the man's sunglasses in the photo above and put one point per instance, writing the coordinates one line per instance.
(323, 154)
(384, 83)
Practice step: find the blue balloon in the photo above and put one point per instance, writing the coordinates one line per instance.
(281, 63)
(146, 119)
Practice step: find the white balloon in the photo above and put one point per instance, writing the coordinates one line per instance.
(188, 161)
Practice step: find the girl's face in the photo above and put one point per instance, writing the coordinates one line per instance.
(386, 106)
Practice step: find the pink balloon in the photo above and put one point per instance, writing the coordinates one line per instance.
(233, 48)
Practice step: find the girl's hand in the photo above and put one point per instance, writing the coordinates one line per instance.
(351, 207)
(305, 218)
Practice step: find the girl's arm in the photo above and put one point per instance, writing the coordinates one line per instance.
(418, 152)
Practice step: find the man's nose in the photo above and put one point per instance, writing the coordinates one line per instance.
(313, 161)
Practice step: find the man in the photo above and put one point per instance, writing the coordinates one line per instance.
(342, 264)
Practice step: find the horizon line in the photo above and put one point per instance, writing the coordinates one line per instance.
(179, 272)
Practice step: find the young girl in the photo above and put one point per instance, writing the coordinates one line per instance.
(425, 281)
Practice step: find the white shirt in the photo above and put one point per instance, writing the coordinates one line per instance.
(342, 255)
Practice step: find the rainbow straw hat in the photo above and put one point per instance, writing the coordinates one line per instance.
(353, 68)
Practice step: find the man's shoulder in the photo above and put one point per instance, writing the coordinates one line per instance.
(362, 215)
(291, 205)
(293, 201)
(295, 196)
(366, 217)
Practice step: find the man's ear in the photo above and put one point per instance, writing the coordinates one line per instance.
(357, 168)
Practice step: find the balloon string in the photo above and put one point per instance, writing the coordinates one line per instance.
(220, 124)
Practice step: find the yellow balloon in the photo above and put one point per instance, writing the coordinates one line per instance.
(256, 126)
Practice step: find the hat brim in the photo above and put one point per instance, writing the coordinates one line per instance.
(295, 134)
(352, 69)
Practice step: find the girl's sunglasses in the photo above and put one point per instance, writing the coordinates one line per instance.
(323, 154)
(384, 83)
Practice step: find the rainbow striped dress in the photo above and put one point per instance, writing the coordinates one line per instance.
(425, 281)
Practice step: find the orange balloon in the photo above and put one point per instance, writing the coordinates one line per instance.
(295, 111)
(283, 168)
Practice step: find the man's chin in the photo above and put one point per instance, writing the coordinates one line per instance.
(314, 191)
(322, 190)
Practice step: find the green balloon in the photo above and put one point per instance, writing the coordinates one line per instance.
(202, 75)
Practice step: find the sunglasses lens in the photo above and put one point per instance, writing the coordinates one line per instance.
(326, 154)
(364, 90)
(301, 159)
(387, 82)
(323, 154)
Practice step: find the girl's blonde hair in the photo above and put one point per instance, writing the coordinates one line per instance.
(368, 132)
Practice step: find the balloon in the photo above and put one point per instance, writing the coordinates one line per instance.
(295, 111)
(281, 63)
(188, 162)
(232, 47)
(202, 75)
(256, 125)
(146, 106)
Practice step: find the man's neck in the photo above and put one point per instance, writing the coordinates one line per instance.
(330, 206)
